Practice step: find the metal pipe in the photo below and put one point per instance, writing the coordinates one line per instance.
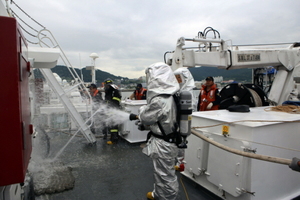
(205, 40)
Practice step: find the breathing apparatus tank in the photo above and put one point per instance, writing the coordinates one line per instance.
(185, 113)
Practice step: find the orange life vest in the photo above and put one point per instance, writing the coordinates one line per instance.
(207, 97)
(139, 94)
(95, 93)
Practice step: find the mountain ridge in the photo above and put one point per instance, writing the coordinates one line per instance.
(199, 73)
(239, 75)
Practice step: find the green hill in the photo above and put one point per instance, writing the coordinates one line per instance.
(239, 75)
(64, 73)
(199, 73)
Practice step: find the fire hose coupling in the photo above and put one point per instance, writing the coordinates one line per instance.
(133, 117)
(295, 164)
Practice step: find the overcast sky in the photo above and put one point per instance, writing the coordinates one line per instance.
(129, 35)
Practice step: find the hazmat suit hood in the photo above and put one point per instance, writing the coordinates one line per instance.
(187, 83)
(160, 80)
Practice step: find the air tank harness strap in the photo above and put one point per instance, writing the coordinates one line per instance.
(171, 138)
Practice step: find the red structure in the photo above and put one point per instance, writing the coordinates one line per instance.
(16, 130)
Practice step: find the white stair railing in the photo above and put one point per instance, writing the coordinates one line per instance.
(77, 118)
(50, 42)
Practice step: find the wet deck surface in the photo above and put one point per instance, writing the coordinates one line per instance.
(110, 172)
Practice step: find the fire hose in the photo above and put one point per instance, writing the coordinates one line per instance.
(293, 164)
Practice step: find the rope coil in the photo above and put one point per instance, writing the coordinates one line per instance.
(285, 108)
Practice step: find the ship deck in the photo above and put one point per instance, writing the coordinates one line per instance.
(109, 172)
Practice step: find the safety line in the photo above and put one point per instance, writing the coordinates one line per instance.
(228, 123)
(225, 123)
(27, 14)
(186, 194)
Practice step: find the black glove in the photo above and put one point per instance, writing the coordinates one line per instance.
(140, 126)
(133, 117)
(294, 164)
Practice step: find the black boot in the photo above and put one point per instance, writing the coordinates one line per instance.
(114, 137)
(104, 133)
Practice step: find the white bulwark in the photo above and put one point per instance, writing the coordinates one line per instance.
(238, 177)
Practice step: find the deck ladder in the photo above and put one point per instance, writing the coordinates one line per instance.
(47, 39)
(59, 91)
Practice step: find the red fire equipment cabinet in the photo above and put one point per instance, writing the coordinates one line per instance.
(15, 127)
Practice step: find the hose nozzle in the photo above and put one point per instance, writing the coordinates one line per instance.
(133, 117)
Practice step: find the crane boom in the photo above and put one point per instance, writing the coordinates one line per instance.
(217, 53)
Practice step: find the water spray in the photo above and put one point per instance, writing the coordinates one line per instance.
(52, 175)
(110, 116)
